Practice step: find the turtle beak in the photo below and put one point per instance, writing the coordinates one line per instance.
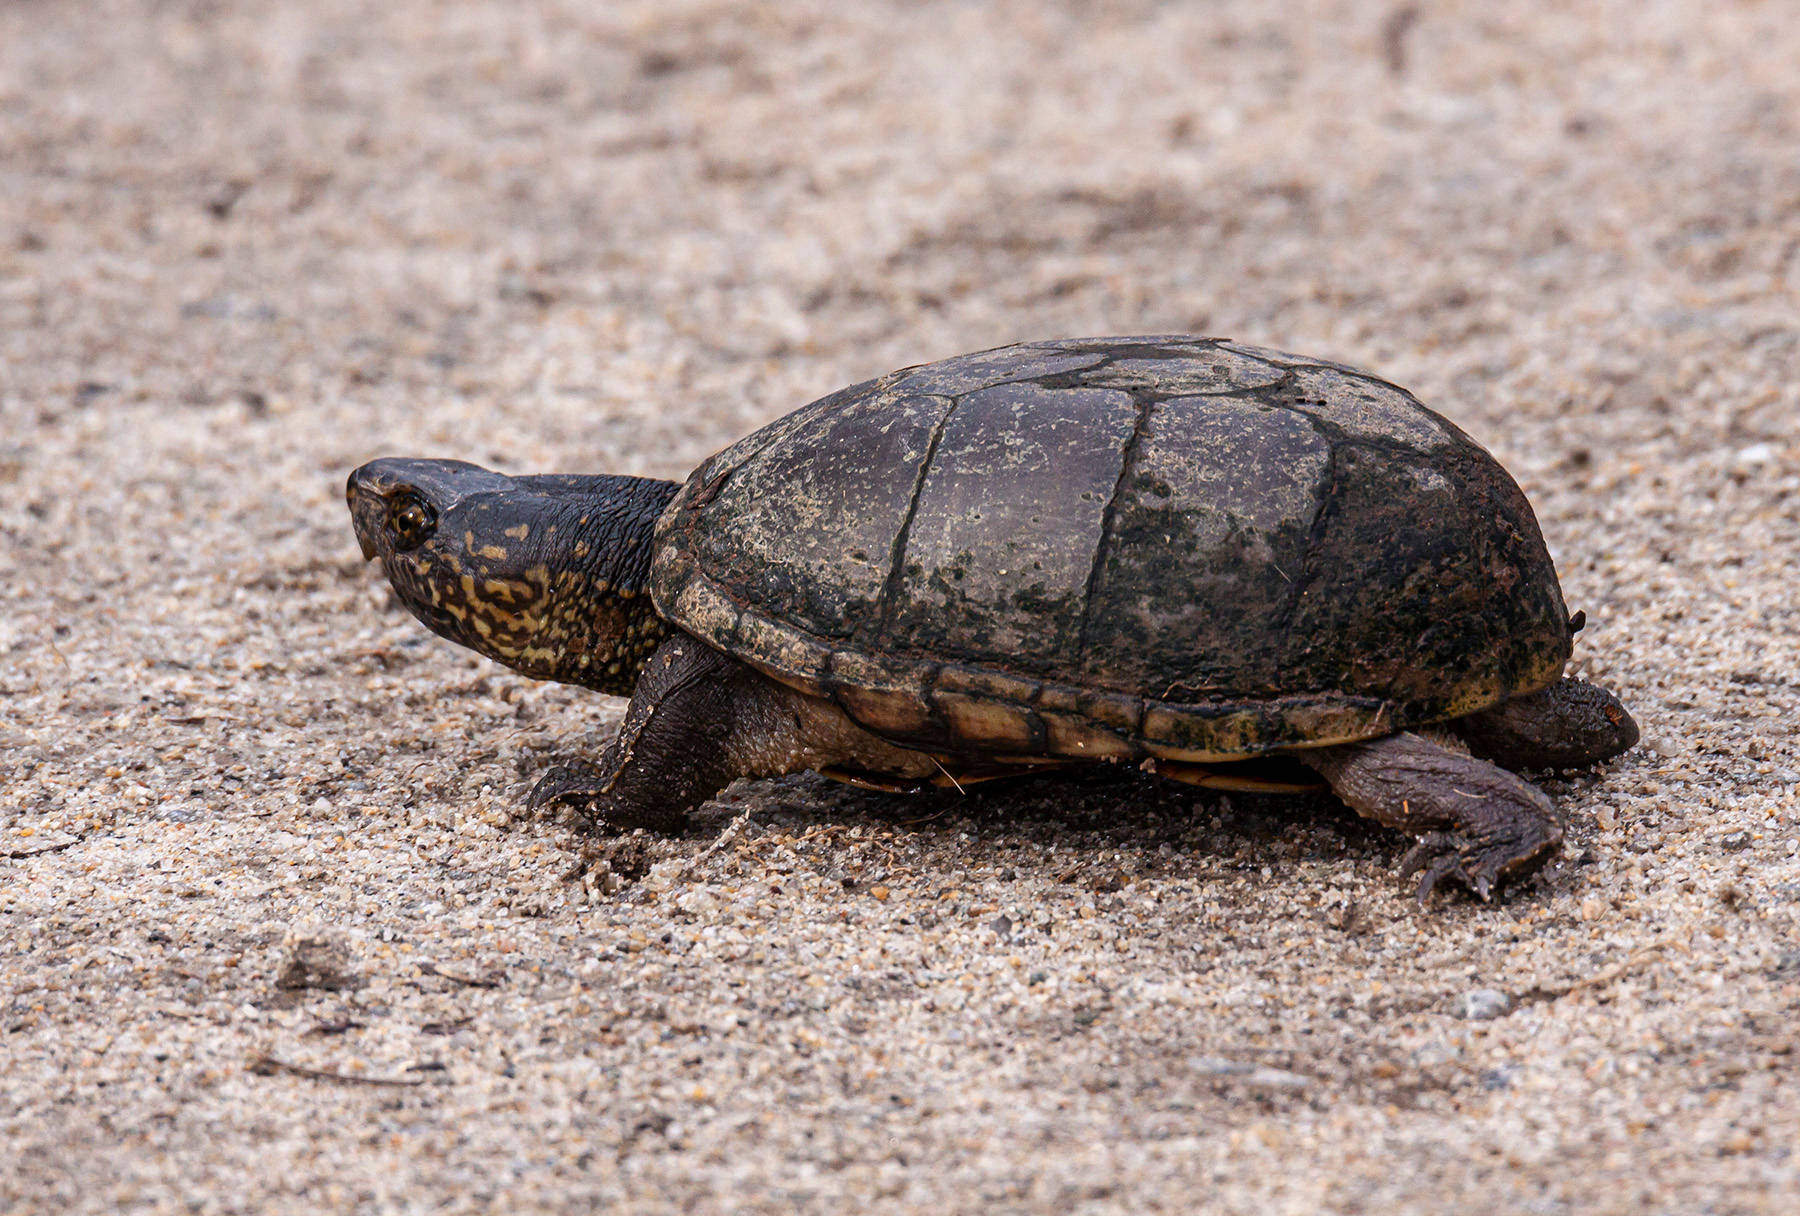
(364, 499)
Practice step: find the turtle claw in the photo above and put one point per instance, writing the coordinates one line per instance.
(1437, 856)
(1479, 866)
(576, 784)
(592, 793)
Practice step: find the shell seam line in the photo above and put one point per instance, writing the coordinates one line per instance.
(1327, 485)
(1140, 429)
(890, 586)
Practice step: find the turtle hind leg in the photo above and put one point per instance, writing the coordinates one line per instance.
(1476, 823)
(698, 720)
(1570, 724)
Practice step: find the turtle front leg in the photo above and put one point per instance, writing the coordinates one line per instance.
(1474, 821)
(698, 720)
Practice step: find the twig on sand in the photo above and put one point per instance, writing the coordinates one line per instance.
(732, 831)
(263, 1064)
(467, 980)
(21, 854)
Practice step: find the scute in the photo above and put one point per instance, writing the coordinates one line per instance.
(1359, 406)
(816, 512)
(1002, 578)
(987, 368)
(1208, 545)
(1119, 547)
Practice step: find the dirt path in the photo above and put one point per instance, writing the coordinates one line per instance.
(245, 247)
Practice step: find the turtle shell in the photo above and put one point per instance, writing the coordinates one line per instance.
(1119, 547)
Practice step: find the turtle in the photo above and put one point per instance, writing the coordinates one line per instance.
(1224, 564)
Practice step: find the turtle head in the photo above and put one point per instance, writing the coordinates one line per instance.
(546, 574)
(1570, 724)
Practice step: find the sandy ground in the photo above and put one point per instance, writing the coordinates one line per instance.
(274, 934)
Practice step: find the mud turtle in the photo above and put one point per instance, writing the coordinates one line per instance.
(1177, 552)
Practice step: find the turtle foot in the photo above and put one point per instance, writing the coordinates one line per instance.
(1477, 824)
(575, 784)
(1482, 865)
(593, 793)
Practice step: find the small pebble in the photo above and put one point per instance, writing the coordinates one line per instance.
(1252, 1076)
(1482, 1004)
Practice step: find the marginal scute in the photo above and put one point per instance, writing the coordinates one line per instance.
(866, 669)
(1119, 548)
(1067, 734)
(892, 712)
(803, 661)
(882, 694)
(1121, 714)
(993, 725)
(699, 607)
(987, 683)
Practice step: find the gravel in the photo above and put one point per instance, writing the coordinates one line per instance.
(275, 932)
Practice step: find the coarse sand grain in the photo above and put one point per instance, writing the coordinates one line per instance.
(274, 936)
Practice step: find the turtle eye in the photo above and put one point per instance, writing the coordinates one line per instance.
(411, 520)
